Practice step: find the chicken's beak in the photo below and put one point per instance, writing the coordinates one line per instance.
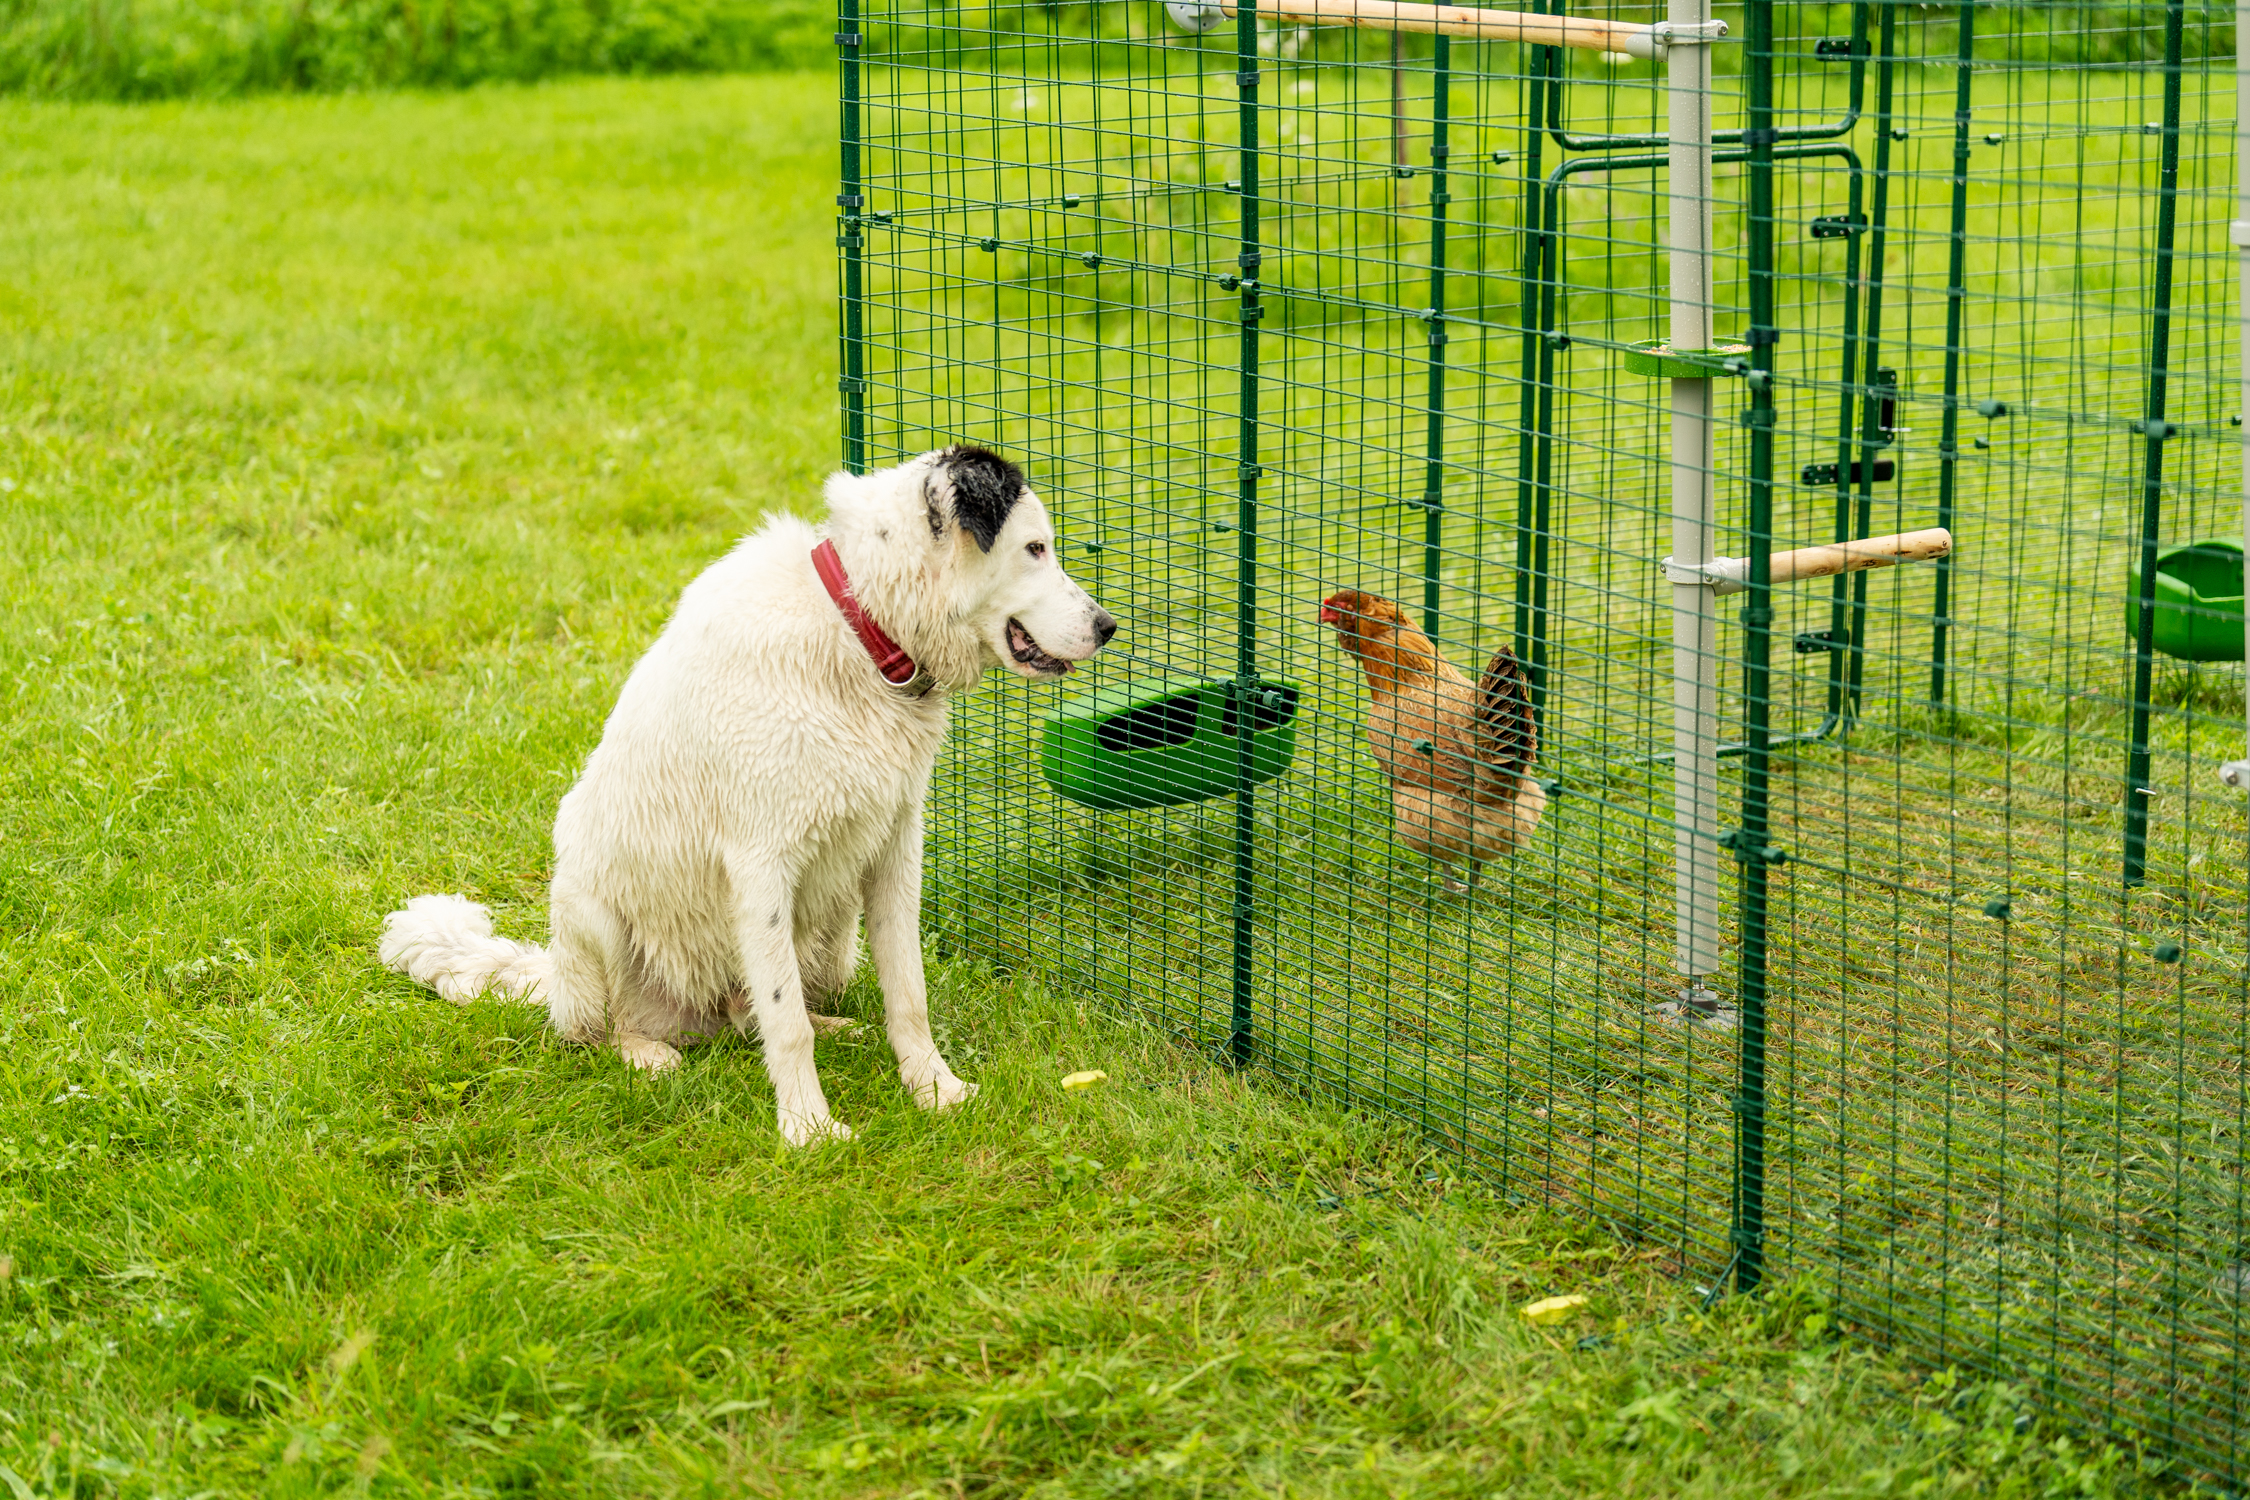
(1331, 615)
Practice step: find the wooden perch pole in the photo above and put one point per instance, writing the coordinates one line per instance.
(1870, 552)
(1586, 33)
(1731, 575)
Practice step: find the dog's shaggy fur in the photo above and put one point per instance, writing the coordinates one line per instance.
(759, 785)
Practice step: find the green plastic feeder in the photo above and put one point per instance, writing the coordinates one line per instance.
(1156, 744)
(1658, 357)
(2198, 601)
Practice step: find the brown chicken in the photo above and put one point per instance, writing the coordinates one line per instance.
(1458, 756)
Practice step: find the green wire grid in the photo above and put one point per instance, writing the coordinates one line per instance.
(1275, 310)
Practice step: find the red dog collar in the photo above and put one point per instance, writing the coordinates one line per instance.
(890, 658)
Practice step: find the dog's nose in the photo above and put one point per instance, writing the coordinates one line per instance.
(1104, 627)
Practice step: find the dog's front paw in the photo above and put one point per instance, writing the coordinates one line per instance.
(648, 1053)
(943, 1092)
(810, 1130)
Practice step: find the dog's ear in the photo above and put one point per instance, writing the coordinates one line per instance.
(974, 487)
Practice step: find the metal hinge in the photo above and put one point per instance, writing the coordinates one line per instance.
(1839, 226)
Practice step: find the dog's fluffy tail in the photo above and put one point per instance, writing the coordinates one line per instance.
(447, 943)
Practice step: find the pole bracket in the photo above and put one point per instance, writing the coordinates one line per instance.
(1195, 15)
(2236, 773)
(1672, 34)
(1722, 575)
(2238, 234)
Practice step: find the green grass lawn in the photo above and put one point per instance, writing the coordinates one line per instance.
(351, 451)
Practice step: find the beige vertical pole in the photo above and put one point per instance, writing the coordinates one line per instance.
(1695, 621)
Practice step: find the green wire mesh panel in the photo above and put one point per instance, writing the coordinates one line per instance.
(1273, 312)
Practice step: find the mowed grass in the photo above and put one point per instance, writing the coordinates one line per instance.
(352, 450)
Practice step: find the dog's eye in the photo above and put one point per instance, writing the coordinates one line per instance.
(1037, 549)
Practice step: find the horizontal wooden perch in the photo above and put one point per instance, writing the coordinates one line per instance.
(1731, 575)
(1587, 33)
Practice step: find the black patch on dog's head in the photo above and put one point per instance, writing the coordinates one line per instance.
(985, 489)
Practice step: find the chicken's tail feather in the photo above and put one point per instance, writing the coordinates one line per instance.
(1507, 736)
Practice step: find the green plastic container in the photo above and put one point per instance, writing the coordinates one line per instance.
(1156, 744)
(2198, 601)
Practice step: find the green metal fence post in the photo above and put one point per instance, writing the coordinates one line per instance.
(1248, 261)
(1859, 350)
(1433, 475)
(1956, 323)
(2154, 430)
(1533, 271)
(1750, 846)
(851, 199)
(2236, 773)
(1878, 386)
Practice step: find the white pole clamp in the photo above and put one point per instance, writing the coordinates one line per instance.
(1722, 575)
(1194, 15)
(1673, 34)
(2236, 773)
(1651, 42)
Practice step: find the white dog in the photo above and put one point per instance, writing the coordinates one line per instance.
(761, 782)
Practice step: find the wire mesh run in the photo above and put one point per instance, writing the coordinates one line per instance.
(1340, 354)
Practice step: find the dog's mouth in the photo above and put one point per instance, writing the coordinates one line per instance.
(1029, 654)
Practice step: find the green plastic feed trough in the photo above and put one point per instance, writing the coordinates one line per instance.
(1155, 744)
(2198, 601)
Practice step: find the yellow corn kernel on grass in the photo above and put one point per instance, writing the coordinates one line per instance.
(1552, 1309)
